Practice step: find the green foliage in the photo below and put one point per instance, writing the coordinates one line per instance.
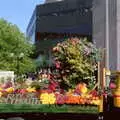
(36, 85)
(76, 60)
(13, 43)
(42, 62)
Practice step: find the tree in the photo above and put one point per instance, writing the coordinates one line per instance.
(15, 49)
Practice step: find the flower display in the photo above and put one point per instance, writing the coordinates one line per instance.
(60, 98)
(1, 89)
(75, 64)
(76, 61)
(46, 98)
(29, 89)
(1, 94)
(79, 95)
(10, 90)
(77, 99)
(81, 88)
(71, 97)
(23, 91)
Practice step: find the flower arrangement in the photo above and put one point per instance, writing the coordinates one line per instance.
(83, 97)
(76, 60)
(47, 98)
(79, 95)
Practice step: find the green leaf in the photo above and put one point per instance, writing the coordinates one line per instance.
(12, 44)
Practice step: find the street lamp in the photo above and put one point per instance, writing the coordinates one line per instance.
(18, 58)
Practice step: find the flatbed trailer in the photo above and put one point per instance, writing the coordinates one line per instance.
(50, 116)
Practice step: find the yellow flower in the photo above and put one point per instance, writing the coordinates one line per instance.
(84, 90)
(10, 90)
(29, 89)
(1, 89)
(1, 94)
(47, 98)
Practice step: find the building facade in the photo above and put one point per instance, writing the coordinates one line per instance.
(54, 20)
(106, 30)
(98, 19)
(66, 16)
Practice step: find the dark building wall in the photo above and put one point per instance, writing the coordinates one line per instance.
(65, 16)
(31, 29)
(64, 23)
(31, 23)
(62, 6)
(76, 16)
(70, 16)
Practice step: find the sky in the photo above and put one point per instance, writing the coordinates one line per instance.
(18, 12)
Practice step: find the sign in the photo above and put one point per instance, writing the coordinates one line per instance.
(5, 75)
(21, 99)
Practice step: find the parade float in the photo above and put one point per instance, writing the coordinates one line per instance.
(69, 88)
(116, 90)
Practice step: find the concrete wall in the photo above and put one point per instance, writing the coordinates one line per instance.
(99, 23)
(118, 34)
(112, 35)
(102, 22)
(106, 30)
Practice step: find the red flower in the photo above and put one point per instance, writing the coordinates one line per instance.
(94, 93)
(52, 86)
(60, 99)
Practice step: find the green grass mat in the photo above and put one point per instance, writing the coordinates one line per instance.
(6, 108)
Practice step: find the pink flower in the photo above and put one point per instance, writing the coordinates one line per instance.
(74, 41)
(60, 99)
(23, 91)
(112, 85)
(7, 85)
(58, 64)
(56, 49)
